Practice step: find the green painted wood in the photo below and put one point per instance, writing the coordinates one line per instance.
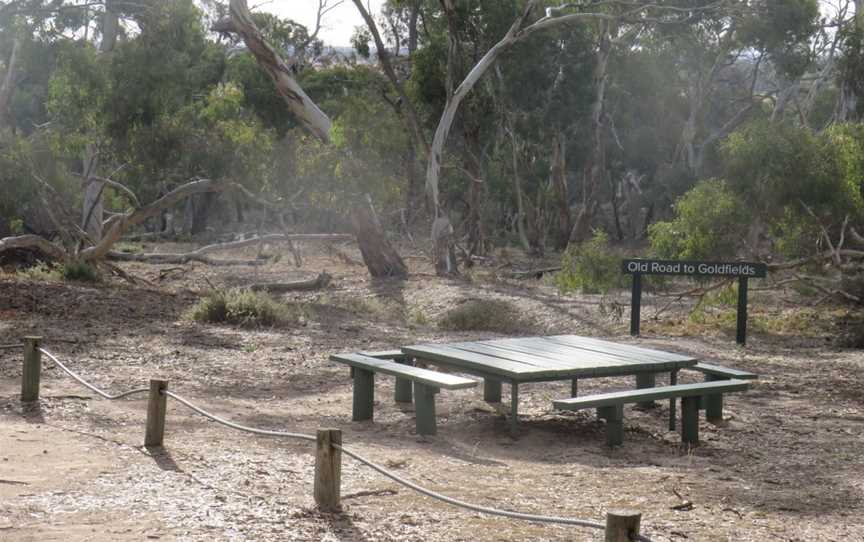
(663, 392)
(364, 394)
(574, 387)
(564, 354)
(32, 370)
(526, 356)
(416, 374)
(485, 365)
(395, 355)
(404, 389)
(614, 416)
(491, 390)
(635, 304)
(425, 409)
(741, 320)
(726, 372)
(643, 381)
(673, 381)
(713, 404)
(590, 343)
(514, 409)
(690, 420)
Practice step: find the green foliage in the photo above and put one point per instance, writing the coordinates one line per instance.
(42, 272)
(79, 271)
(243, 308)
(710, 221)
(591, 267)
(485, 315)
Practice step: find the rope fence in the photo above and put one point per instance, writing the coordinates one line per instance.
(620, 526)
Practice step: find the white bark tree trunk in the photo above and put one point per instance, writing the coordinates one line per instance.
(7, 88)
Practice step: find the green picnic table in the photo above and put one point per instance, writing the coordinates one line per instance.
(544, 359)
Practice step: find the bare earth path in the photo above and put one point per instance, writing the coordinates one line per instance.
(786, 465)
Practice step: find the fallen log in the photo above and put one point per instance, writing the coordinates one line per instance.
(321, 281)
(160, 258)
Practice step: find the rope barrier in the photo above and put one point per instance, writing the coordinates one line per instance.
(237, 426)
(88, 385)
(10, 346)
(374, 466)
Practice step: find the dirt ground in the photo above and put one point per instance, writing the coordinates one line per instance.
(786, 464)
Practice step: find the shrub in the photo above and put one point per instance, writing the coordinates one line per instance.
(42, 272)
(485, 315)
(709, 223)
(243, 308)
(591, 267)
(80, 271)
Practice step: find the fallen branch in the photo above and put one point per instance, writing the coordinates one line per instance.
(534, 273)
(274, 238)
(161, 258)
(321, 281)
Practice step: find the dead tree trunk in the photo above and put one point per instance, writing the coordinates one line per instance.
(380, 257)
(7, 87)
(558, 176)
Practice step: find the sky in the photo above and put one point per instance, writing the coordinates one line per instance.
(338, 24)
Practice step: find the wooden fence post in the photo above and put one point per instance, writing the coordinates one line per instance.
(156, 408)
(328, 470)
(32, 370)
(622, 525)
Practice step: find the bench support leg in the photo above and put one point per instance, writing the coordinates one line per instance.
(574, 387)
(614, 416)
(714, 403)
(673, 381)
(645, 380)
(491, 390)
(514, 409)
(425, 408)
(364, 394)
(690, 420)
(403, 386)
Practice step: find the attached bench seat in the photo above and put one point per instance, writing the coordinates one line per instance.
(427, 383)
(713, 404)
(610, 405)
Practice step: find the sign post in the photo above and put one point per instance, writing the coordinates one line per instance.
(742, 270)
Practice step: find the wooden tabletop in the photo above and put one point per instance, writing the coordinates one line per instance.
(549, 358)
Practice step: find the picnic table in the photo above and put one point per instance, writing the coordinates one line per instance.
(543, 359)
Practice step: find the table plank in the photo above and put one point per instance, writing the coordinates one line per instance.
(478, 362)
(574, 357)
(528, 357)
(623, 349)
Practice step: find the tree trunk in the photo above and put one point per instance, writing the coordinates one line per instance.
(558, 176)
(520, 198)
(7, 88)
(380, 257)
(92, 213)
(304, 109)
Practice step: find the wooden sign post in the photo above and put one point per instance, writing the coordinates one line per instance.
(742, 270)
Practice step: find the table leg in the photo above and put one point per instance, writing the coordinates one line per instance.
(673, 381)
(574, 387)
(491, 390)
(403, 385)
(514, 408)
(645, 380)
(714, 403)
(364, 394)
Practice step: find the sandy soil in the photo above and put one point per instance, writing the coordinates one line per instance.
(785, 465)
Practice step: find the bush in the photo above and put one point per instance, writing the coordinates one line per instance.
(42, 272)
(485, 315)
(243, 308)
(80, 271)
(591, 267)
(709, 223)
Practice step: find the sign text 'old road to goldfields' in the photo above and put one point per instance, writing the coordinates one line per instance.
(706, 269)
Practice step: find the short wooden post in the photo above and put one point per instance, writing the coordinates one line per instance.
(32, 370)
(622, 525)
(574, 387)
(404, 390)
(690, 420)
(643, 381)
(424, 401)
(364, 395)
(491, 390)
(156, 408)
(328, 470)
